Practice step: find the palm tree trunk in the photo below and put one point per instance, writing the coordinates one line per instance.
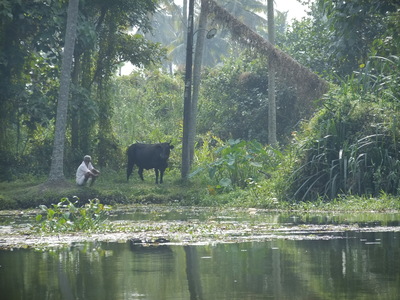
(198, 58)
(57, 160)
(75, 112)
(271, 79)
(187, 96)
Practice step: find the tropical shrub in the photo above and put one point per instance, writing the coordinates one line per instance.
(239, 163)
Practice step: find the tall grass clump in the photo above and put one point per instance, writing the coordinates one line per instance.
(351, 146)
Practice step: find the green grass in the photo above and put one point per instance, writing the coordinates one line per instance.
(112, 188)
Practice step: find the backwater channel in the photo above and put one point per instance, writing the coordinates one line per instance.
(191, 253)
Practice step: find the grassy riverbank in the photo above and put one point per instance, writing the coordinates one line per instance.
(112, 188)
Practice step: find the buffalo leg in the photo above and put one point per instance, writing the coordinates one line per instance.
(156, 171)
(129, 169)
(140, 172)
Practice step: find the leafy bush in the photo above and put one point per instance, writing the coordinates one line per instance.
(239, 163)
(67, 216)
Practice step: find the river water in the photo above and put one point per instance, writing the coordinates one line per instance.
(350, 264)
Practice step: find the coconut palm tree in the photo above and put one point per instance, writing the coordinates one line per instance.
(198, 58)
(170, 28)
(57, 160)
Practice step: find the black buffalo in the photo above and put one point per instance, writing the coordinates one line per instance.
(148, 156)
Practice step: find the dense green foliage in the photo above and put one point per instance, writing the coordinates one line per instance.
(237, 164)
(235, 101)
(343, 144)
(341, 35)
(351, 146)
(31, 43)
(147, 107)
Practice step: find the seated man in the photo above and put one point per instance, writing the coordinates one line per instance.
(86, 172)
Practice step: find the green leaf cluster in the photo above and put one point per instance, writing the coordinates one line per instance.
(239, 163)
(67, 216)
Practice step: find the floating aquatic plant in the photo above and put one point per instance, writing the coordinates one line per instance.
(68, 216)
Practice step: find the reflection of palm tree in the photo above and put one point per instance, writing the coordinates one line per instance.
(193, 273)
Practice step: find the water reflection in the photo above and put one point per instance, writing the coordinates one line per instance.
(155, 213)
(359, 266)
(160, 213)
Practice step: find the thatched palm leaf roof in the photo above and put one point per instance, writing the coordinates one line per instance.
(308, 84)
